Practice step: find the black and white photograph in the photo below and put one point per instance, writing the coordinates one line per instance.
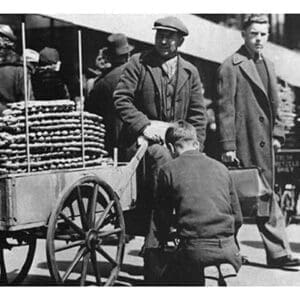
(154, 148)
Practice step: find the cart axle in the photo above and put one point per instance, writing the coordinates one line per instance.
(92, 239)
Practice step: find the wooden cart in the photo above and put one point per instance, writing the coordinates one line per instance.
(78, 211)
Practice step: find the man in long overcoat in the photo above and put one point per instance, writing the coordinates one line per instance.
(158, 87)
(100, 100)
(250, 128)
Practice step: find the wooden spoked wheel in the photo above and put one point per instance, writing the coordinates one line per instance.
(86, 235)
(16, 256)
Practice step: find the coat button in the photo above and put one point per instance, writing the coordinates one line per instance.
(261, 119)
(262, 144)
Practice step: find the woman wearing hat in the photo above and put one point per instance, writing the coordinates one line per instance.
(11, 70)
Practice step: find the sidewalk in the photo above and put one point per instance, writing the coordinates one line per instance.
(255, 274)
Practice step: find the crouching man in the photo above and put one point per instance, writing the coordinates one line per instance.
(207, 212)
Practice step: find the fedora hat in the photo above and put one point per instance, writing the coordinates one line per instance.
(8, 32)
(118, 44)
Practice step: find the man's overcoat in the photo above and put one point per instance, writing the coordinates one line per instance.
(100, 102)
(247, 115)
(139, 97)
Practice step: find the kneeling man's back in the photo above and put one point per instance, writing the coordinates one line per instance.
(207, 212)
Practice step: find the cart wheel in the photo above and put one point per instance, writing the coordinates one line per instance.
(86, 235)
(16, 256)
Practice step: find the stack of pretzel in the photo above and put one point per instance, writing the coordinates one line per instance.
(54, 134)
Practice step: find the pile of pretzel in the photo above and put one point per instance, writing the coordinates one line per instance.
(54, 135)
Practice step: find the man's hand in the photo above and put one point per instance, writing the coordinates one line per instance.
(276, 145)
(229, 157)
(151, 133)
(156, 131)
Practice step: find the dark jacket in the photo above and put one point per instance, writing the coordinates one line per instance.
(138, 96)
(247, 115)
(48, 84)
(201, 191)
(12, 79)
(100, 102)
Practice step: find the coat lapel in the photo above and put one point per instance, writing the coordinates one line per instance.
(156, 76)
(155, 73)
(182, 76)
(273, 81)
(152, 64)
(274, 97)
(248, 66)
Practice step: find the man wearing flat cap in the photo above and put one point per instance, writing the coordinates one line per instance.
(100, 100)
(158, 87)
(11, 70)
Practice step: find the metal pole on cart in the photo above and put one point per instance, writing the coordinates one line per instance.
(26, 97)
(81, 96)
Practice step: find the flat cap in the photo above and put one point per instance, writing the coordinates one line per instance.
(49, 56)
(171, 23)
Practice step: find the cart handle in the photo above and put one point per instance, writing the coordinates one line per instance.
(142, 148)
(143, 144)
(133, 164)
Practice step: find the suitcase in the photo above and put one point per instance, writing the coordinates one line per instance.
(250, 184)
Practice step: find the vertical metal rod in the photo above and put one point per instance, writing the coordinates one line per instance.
(26, 98)
(81, 96)
(115, 157)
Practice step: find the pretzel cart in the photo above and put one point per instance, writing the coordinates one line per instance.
(57, 185)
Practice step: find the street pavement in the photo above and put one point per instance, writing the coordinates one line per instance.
(255, 274)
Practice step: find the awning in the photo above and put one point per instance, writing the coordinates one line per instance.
(206, 40)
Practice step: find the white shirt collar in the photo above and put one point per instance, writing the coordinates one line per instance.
(170, 66)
